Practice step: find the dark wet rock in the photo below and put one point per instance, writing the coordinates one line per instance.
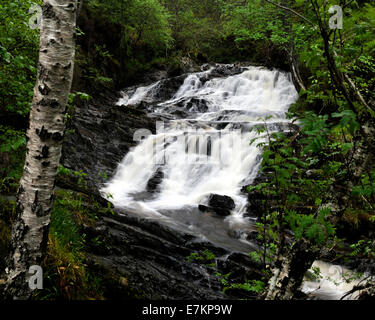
(100, 135)
(219, 201)
(155, 180)
(218, 210)
(183, 65)
(221, 211)
(163, 91)
(204, 208)
(250, 236)
(192, 105)
(155, 76)
(221, 205)
(247, 235)
(168, 87)
(234, 263)
(153, 258)
(179, 113)
(189, 65)
(226, 70)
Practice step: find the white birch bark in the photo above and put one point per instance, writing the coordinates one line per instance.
(289, 270)
(44, 143)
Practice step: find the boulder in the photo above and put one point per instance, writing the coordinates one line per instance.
(219, 201)
(221, 205)
(226, 70)
(155, 180)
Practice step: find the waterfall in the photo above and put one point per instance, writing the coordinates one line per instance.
(205, 148)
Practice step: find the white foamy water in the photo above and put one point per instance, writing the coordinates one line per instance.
(333, 283)
(196, 157)
(139, 95)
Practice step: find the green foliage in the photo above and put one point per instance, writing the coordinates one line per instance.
(367, 187)
(11, 140)
(256, 256)
(301, 169)
(18, 56)
(316, 130)
(256, 286)
(316, 273)
(64, 227)
(66, 275)
(223, 278)
(206, 257)
(364, 248)
(313, 227)
(12, 149)
(348, 120)
(143, 22)
(18, 60)
(79, 176)
(256, 21)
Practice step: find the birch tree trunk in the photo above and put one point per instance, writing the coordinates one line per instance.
(290, 267)
(44, 142)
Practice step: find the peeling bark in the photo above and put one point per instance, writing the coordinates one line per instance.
(295, 72)
(44, 143)
(289, 270)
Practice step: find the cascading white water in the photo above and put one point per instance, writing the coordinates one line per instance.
(140, 94)
(209, 151)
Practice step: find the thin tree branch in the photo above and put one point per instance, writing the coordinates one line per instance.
(356, 91)
(291, 10)
(358, 287)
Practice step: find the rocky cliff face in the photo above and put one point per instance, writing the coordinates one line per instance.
(100, 134)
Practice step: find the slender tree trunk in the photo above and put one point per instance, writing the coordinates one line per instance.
(289, 270)
(44, 143)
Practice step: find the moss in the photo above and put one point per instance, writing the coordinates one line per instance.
(12, 155)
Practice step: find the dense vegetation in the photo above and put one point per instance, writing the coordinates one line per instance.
(321, 182)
